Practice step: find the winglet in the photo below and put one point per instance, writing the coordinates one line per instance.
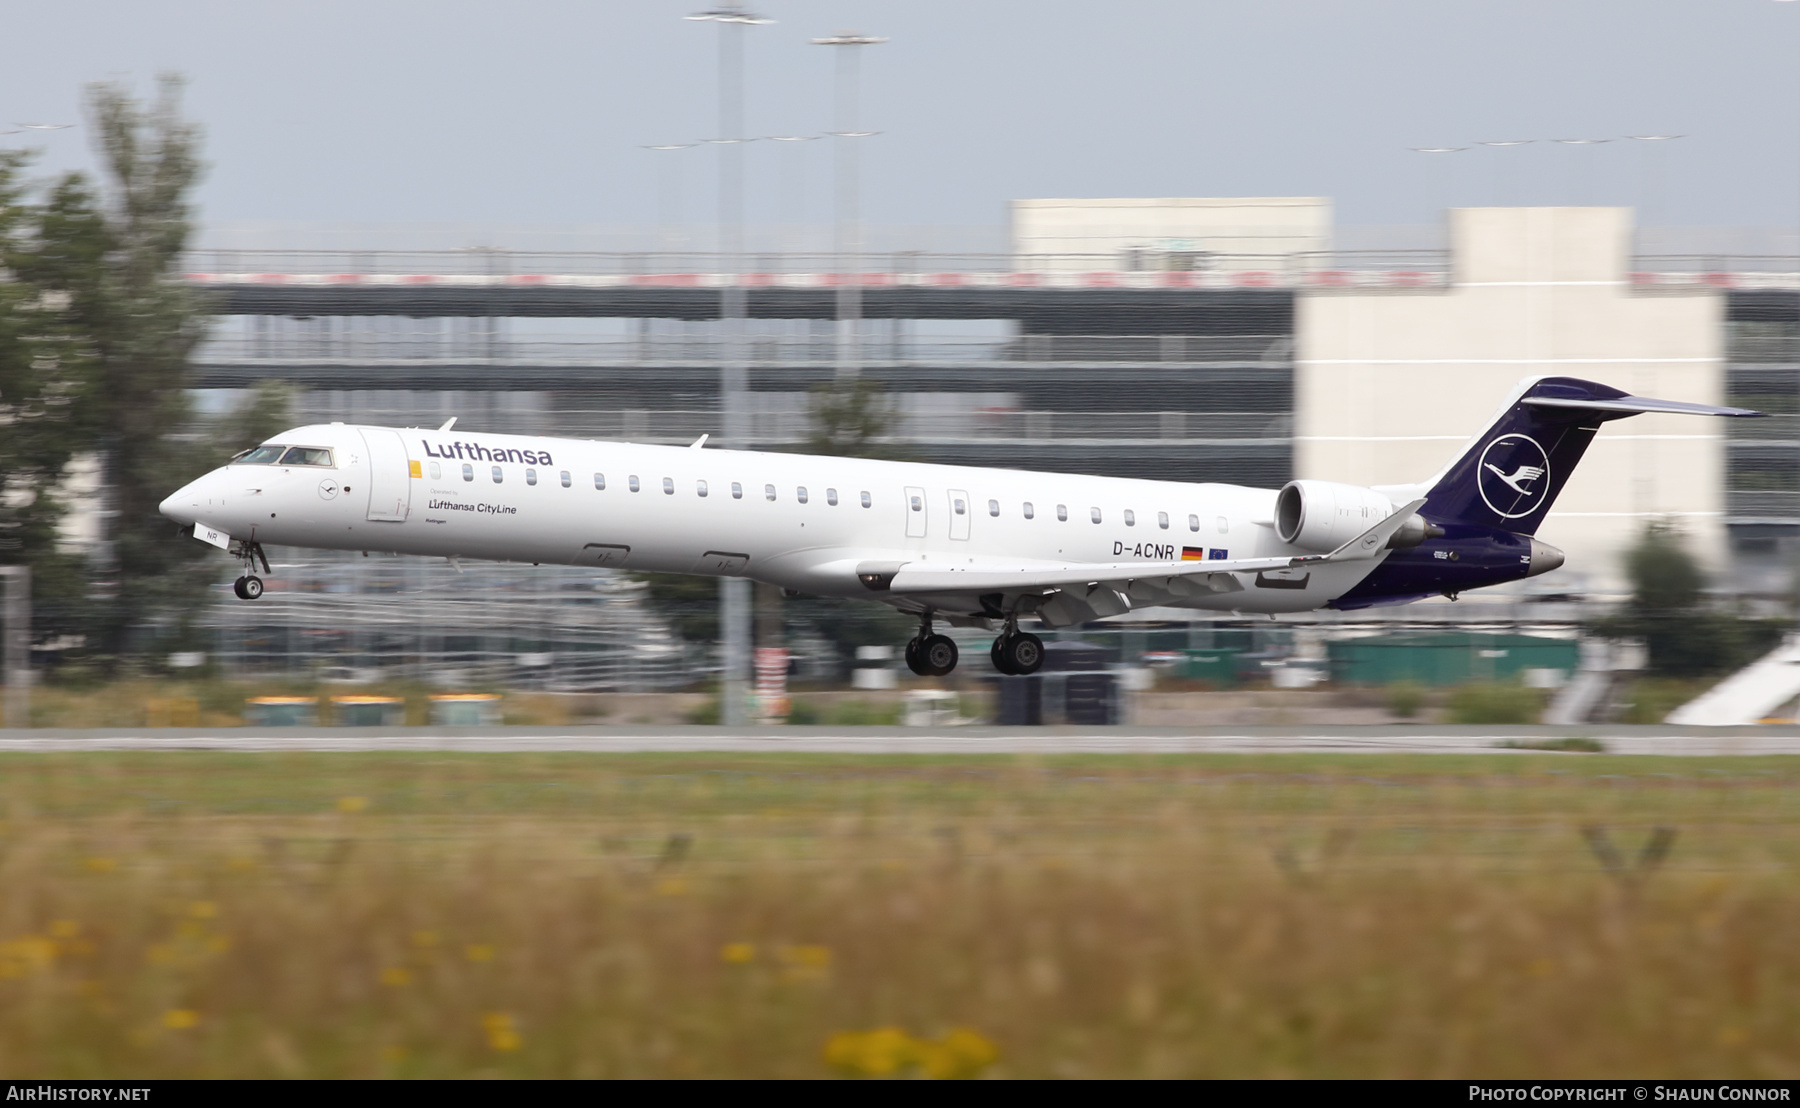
(699, 442)
(448, 423)
(1369, 543)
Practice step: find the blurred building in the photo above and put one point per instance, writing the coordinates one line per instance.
(1188, 339)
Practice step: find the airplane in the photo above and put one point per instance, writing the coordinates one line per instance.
(974, 547)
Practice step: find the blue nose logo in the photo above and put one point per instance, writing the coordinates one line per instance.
(1513, 476)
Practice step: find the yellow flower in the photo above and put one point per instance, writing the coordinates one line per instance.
(1733, 1036)
(102, 865)
(501, 1034)
(180, 1019)
(884, 1051)
(396, 976)
(807, 954)
(972, 1050)
(478, 952)
(65, 929)
(393, 1055)
(671, 886)
(218, 944)
(240, 863)
(161, 954)
(352, 803)
(737, 953)
(21, 956)
(203, 909)
(424, 940)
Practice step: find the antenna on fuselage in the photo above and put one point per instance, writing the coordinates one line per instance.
(448, 423)
(699, 442)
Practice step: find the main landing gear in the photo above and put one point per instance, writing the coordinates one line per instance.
(1017, 653)
(250, 586)
(929, 654)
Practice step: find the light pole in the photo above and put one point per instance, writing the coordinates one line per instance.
(1650, 173)
(1448, 190)
(849, 232)
(734, 592)
(1503, 190)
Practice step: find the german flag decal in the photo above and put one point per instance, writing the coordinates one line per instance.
(1193, 554)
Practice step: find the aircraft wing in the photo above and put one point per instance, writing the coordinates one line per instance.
(926, 578)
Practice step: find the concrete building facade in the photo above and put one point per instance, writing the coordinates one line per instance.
(1390, 383)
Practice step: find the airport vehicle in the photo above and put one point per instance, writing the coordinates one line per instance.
(969, 546)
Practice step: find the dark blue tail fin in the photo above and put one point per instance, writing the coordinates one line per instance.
(1511, 473)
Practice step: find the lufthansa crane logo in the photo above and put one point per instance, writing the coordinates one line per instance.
(1513, 475)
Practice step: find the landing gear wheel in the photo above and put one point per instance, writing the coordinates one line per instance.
(248, 587)
(912, 658)
(998, 657)
(1023, 653)
(937, 655)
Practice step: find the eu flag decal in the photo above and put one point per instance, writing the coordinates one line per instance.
(1217, 555)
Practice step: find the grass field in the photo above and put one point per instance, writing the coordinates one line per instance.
(1530, 915)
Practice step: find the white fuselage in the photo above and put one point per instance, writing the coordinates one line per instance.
(802, 522)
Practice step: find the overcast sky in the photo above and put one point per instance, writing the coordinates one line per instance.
(535, 110)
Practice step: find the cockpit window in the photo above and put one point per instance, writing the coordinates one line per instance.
(306, 456)
(259, 456)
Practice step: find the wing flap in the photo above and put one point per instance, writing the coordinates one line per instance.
(1209, 575)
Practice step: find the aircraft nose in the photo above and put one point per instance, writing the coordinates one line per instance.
(183, 504)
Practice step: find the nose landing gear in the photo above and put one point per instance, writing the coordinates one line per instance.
(250, 586)
(929, 654)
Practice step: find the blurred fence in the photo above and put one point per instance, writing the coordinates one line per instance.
(491, 624)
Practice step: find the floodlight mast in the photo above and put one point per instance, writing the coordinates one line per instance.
(849, 229)
(734, 592)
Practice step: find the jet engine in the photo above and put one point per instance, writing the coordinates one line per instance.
(1321, 516)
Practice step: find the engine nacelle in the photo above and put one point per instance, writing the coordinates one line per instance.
(1321, 516)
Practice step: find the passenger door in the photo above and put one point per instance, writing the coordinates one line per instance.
(959, 514)
(915, 513)
(390, 475)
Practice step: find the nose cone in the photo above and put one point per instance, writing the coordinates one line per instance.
(183, 505)
(1544, 558)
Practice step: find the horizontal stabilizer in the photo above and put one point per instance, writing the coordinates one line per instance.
(1638, 405)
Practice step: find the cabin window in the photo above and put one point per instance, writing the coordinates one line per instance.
(700, 488)
(918, 503)
(468, 472)
(1130, 518)
(800, 494)
(831, 497)
(993, 507)
(668, 486)
(1162, 520)
(531, 477)
(437, 471)
(769, 492)
(632, 482)
(566, 480)
(1030, 512)
(600, 482)
(1193, 523)
(1094, 514)
(306, 456)
(961, 508)
(260, 456)
(1224, 525)
(1062, 512)
(737, 491)
(498, 475)
(866, 500)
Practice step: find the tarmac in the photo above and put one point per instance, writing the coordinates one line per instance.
(1653, 740)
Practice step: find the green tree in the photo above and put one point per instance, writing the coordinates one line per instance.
(46, 384)
(1683, 635)
(849, 419)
